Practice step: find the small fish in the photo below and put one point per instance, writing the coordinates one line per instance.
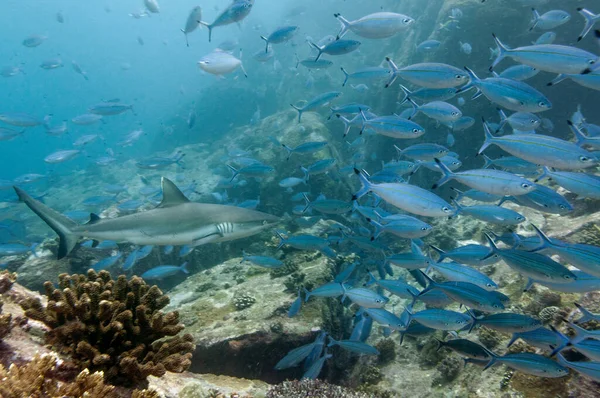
(164, 271)
(110, 108)
(541, 149)
(235, 12)
(548, 57)
(34, 40)
(168, 249)
(423, 152)
(549, 20)
(541, 338)
(407, 197)
(428, 46)
(262, 261)
(533, 364)
(12, 249)
(220, 63)
(437, 110)
(315, 369)
(280, 35)
(461, 273)
(296, 306)
(583, 184)
(429, 75)
(471, 254)
(20, 119)
(337, 47)
(77, 68)
(316, 102)
(61, 156)
(152, 6)
(510, 94)
(107, 262)
(465, 348)
(369, 74)
(440, 319)
(52, 63)
(256, 170)
(545, 38)
(379, 25)
(307, 147)
(86, 119)
(533, 265)
(519, 72)
(364, 298)
(465, 48)
(193, 21)
(586, 315)
(508, 322)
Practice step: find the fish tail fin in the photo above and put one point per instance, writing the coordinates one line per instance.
(346, 122)
(488, 162)
(407, 98)
(493, 360)
(210, 28)
(282, 240)
(299, 112)
(319, 49)
(306, 174)
(32, 248)
(365, 185)
(514, 338)
(399, 150)
(307, 203)
(564, 342)
(408, 308)
(545, 242)
(234, 171)
(347, 76)
(61, 224)
(448, 174)
(459, 194)
(489, 138)
(502, 51)
(266, 44)
(440, 344)
(580, 333)
(580, 138)
(184, 268)
(307, 294)
(345, 25)
(545, 174)
(492, 245)
(371, 280)
(559, 78)
(590, 19)
(535, 18)
(393, 71)
(586, 315)
(378, 228)
(473, 320)
(331, 341)
(503, 120)
(187, 43)
(289, 151)
(472, 80)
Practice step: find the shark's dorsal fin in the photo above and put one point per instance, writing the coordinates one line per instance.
(172, 196)
(94, 218)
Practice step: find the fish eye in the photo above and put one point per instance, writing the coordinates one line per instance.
(406, 20)
(423, 228)
(542, 104)
(562, 207)
(525, 185)
(445, 209)
(533, 121)
(591, 61)
(454, 113)
(566, 277)
(489, 285)
(459, 76)
(415, 131)
(584, 158)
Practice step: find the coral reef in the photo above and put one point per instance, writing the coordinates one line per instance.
(429, 354)
(243, 301)
(7, 279)
(548, 314)
(449, 369)
(314, 389)
(288, 268)
(371, 375)
(5, 323)
(114, 326)
(40, 379)
(387, 351)
(489, 337)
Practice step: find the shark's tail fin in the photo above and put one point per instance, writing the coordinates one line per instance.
(62, 225)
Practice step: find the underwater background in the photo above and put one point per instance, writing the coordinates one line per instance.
(102, 99)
